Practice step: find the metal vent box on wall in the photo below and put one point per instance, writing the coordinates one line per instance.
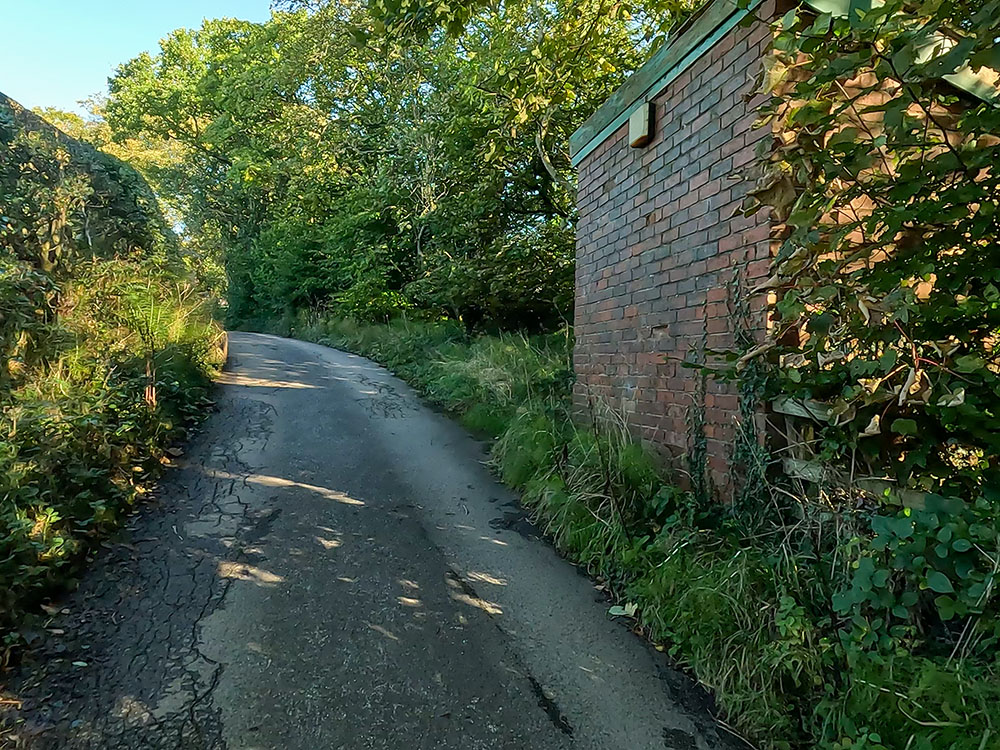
(640, 125)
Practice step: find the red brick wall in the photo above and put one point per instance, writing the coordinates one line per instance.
(658, 245)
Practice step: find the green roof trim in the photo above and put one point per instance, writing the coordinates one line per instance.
(695, 38)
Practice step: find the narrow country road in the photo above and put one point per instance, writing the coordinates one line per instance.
(331, 565)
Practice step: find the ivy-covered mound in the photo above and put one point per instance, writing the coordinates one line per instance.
(106, 347)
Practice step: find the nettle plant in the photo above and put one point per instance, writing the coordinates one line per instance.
(883, 177)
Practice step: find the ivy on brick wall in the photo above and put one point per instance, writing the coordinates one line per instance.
(882, 176)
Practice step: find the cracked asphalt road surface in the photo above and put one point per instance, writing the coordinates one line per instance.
(331, 565)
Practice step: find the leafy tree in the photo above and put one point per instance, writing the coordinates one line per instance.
(342, 165)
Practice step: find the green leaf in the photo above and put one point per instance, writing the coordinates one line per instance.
(945, 606)
(888, 360)
(969, 364)
(629, 610)
(821, 26)
(961, 545)
(788, 20)
(820, 324)
(989, 57)
(842, 602)
(904, 427)
(938, 581)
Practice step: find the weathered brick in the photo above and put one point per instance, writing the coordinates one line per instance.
(659, 238)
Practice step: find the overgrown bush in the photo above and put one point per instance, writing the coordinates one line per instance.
(882, 178)
(107, 344)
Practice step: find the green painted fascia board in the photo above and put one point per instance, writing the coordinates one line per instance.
(837, 8)
(977, 84)
(671, 60)
(714, 22)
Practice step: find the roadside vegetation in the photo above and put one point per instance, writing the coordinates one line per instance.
(107, 342)
(748, 606)
(393, 178)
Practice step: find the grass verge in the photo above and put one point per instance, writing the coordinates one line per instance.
(750, 613)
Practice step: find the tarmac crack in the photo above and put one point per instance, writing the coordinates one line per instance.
(134, 622)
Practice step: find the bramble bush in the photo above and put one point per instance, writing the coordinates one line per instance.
(882, 178)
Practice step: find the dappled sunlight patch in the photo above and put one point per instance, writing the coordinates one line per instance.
(327, 543)
(233, 378)
(384, 631)
(269, 481)
(460, 591)
(485, 578)
(244, 572)
(11, 701)
(131, 709)
(266, 480)
(490, 608)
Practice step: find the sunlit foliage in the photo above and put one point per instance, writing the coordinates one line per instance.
(105, 342)
(373, 172)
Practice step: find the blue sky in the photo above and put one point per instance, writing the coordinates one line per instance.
(55, 52)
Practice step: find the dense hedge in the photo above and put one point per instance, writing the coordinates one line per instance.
(106, 348)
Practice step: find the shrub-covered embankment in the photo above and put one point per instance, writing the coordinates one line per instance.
(105, 350)
(749, 606)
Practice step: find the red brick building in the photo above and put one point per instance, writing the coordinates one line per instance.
(663, 247)
(661, 238)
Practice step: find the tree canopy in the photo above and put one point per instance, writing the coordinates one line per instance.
(344, 163)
